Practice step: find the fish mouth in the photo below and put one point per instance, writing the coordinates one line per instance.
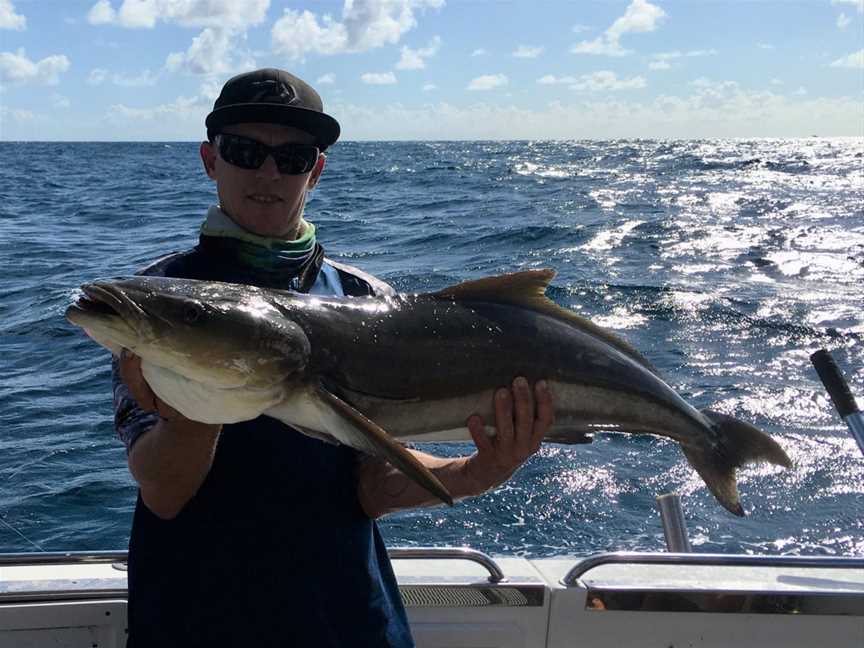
(104, 301)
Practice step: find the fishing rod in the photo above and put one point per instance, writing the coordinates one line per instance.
(841, 395)
(19, 533)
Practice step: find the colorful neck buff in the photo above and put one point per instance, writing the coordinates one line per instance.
(267, 259)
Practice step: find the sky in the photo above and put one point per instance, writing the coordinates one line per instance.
(136, 70)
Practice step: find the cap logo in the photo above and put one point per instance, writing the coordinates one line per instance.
(273, 91)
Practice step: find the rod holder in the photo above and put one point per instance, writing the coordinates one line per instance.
(841, 395)
(674, 526)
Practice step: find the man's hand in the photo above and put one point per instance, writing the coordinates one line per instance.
(130, 372)
(522, 420)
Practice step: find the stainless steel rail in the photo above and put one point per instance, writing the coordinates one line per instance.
(496, 575)
(451, 553)
(674, 526)
(701, 559)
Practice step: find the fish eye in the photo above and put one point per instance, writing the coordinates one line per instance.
(192, 314)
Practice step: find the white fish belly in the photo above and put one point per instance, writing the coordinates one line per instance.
(206, 403)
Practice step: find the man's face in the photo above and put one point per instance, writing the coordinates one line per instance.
(262, 201)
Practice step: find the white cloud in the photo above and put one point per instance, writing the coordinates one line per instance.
(210, 89)
(640, 16)
(776, 82)
(364, 25)
(600, 46)
(295, 34)
(17, 68)
(727, 111)
(661, 59)
(800, 92)
(479, 52)
(709, 52)
(843, 21)
(145, 78)
(429, 87)
(183, 108)
(854, 61)
(376, 78)
(101, 13)
(16, 114)
(9, 19)
(213, 51)
(97, 76)
(219, 14)
(668, 56)
(858, 4)
(607, 81)
(527, 51)
(60, 101)
(551, 79)
(416, 59)
(765, 46)
(488, 82)
(578, 29)
(326, 79)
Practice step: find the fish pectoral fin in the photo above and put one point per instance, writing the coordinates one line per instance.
(371, 438)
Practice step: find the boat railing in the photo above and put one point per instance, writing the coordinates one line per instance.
(61, 558)
(119, 558)
(496, 575)
(706, 559)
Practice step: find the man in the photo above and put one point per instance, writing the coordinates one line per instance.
(253, 534)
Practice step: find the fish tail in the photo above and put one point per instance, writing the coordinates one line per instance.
(738, 443)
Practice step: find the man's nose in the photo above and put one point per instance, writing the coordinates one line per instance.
(268, 169)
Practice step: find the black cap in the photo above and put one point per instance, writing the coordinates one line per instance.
(274, 97)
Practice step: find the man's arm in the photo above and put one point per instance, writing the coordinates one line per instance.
(522, 420)
(171, 460)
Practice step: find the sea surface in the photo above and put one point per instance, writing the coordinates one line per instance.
(726, 262)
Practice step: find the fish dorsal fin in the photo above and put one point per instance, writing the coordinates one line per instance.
(527, 289)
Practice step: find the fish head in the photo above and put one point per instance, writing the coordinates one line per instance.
(225, 335)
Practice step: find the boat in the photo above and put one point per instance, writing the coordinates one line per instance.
(465, 598)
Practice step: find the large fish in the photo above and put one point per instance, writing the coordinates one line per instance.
(372, 371)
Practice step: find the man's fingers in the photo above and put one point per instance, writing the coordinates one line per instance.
(130, 372)
(524, 406)
(130, 364)
(545, 413)
(478, 433)
(504, 419)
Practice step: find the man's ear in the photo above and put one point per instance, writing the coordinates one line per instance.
(208, 157)
(315, 176)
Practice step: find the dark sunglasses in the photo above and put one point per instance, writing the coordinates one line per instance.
(246, 153)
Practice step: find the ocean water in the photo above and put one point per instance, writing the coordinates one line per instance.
(726, 262)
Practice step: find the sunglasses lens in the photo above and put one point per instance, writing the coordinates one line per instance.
(242, 152)
(295, 159)
(291, 159)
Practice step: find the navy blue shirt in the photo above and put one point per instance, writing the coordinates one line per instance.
(274, 549)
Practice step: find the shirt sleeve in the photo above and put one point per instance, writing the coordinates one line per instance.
(130, 421)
